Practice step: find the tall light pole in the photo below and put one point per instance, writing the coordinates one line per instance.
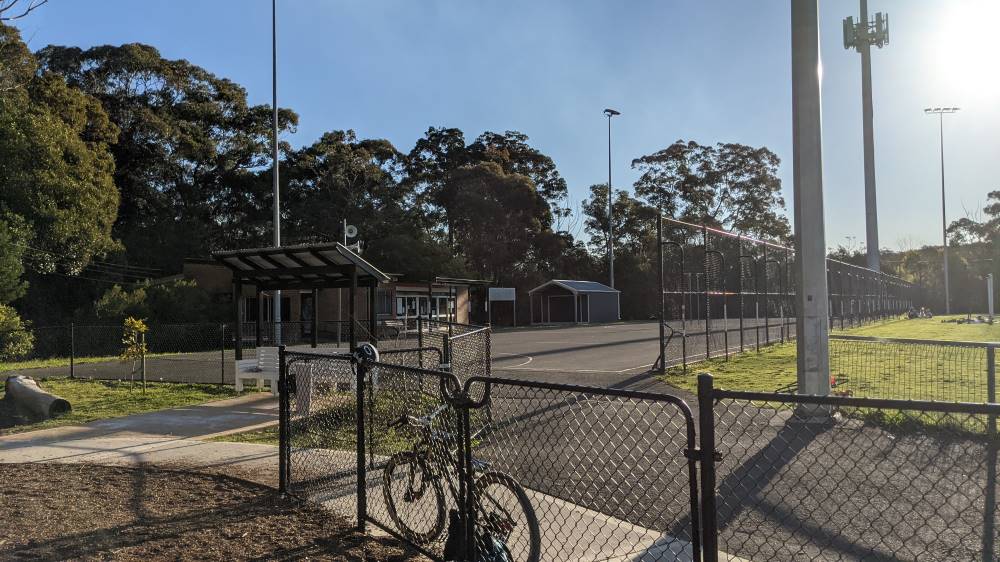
(611, 202)
(274, 157)
(861, 37)
(940, 112)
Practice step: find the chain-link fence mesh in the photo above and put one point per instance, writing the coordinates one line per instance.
(831, 482)
(912, 369)
(724, 292)
(322, 430)
(604, 473)
(192, 353)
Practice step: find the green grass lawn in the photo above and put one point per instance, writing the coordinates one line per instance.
(26, 364)
(930, 329)
(877, 370)
(93, 400)
(50, 362)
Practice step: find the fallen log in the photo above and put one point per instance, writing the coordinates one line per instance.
(32, 401)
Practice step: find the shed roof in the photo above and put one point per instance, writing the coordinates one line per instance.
(577, 287)
(304, 266)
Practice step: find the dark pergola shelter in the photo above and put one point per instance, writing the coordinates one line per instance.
(301, 267)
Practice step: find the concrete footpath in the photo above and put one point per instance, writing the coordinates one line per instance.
(178, 439)
(174, 438)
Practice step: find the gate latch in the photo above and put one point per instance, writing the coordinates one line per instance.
(699, 455)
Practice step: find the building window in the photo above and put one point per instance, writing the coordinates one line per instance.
(383, 302)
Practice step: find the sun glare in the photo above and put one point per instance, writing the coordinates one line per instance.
(967, 48)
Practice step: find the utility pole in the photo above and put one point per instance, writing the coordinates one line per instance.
(812, 323)
(940, 111)
(274, 156)
(611, 202)
(861, 37)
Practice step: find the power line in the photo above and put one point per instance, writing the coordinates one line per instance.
(148, 271)
(92, 279)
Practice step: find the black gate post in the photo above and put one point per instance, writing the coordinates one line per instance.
(706, 423)
(283, 418)
(362, 489)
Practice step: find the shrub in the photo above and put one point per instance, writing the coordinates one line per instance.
(16, 340)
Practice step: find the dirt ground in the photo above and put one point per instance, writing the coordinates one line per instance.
(88, 512)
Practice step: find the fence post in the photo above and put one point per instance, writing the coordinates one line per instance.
(283, 429)
(989, 511)
(420, 342)
(142, 359)
(659, 267)
(72, 350)
(222, 353)
(447, 349)
(362, 492)
(706, 427)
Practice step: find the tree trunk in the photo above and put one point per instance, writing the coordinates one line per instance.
(34, 402)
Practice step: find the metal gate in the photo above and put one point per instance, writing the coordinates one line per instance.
(466, 470)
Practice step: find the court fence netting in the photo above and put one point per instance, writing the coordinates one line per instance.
(206, 352)
(722, 293)
(464, 465)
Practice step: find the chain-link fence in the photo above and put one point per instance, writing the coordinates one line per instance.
(530, 470)
(723, 293)
(913, 369)
(809, 478)
(497, 468)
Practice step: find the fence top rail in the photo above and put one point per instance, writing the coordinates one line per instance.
(316, 355)
(582, 389)
(775, 245)
(411, 350)
(851, 402)
(473, 332)
(910, 341)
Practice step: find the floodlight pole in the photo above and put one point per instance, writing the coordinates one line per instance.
(274, 156)
(940, 111)
(611, 202)
(812, 326)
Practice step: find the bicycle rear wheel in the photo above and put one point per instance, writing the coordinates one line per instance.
(414, 498)
(506, 514)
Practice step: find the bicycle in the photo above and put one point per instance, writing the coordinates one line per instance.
(497, 497)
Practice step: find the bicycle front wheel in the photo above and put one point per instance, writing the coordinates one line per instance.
(508, 518)
(413, 497)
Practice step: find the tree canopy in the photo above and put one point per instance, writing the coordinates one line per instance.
(120, 154)
(729, 185)
(59, 199)
(187, 154)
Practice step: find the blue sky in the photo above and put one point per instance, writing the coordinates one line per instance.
(709, 71)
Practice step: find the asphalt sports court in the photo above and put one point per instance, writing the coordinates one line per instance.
(614, 350)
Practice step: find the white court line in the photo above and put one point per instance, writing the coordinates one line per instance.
(530, 359)
(593, 371)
